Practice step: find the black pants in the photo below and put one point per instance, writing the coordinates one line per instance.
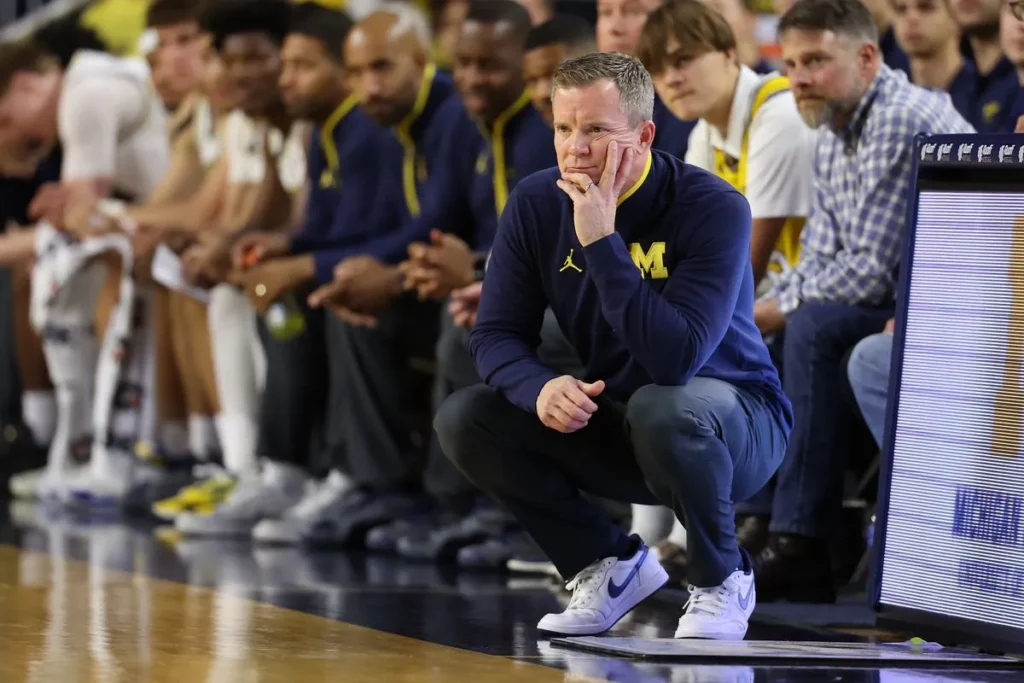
(456, 370)
(693, 448)
(10, 384)
(304, 385)
(380, 384)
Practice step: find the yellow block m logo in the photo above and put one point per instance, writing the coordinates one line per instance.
(651, 262)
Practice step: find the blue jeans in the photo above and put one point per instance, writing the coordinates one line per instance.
(869, 378)
(695, 448)
(809, 486)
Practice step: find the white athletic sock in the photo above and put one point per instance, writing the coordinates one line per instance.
(652, 523)
(238, 362)
(72, 367)
(174, 437)
(202, 436)
(238, 435)
(284, 475)
(39, 413)
(678, 535)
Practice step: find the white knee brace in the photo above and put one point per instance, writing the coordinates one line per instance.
(119, 378)
(63, 301)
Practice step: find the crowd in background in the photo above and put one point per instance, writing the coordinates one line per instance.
(244, 263)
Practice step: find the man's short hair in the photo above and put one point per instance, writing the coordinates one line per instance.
(499, 11)
(65, 36)
(848, 18)
(636, 91)
(574, 32)
(170, 12)
(23, 55)
(329, 26)
(697, 28)
(230, 17)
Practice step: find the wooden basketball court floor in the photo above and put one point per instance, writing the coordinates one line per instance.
(105, 601)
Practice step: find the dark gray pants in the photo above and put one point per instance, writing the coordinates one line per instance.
(695, 449)
(380, 386)
(303, 379)
(456, 370)
(10, 383)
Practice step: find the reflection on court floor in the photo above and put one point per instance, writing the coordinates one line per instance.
(104, 601)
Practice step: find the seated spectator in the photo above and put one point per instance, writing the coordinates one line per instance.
(257, 184)
(182, 343)
(996, 83)
(344, 193)
(748, 130)
(881, 11)
(487, 68)
(742, 17)
(664, 412)
(548, 45)
(172, 41)
(619, 25)
(748, 133)
(842, 289)
(927, 32)
(868, 371)
(255, 173)
(540, 10)
(387, 57)
(112, 132)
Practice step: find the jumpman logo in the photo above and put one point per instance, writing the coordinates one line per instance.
(569, 264)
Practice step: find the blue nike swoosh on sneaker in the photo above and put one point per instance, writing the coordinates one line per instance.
(744, 600)
(615, 591)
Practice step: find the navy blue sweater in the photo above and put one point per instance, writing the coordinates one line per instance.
(671, 135)
(517, 145)
(435, 168)
(667, 297)
(347, 201)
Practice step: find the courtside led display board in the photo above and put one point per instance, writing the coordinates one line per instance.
(950, 526)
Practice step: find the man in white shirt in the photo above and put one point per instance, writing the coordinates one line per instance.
(750, 134)
(113, 131)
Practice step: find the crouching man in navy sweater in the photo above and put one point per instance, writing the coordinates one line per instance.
(646, 264)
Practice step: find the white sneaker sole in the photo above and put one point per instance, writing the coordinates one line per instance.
(277, 532)
(654, 583)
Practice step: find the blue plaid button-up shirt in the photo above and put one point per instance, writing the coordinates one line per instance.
(851, 244)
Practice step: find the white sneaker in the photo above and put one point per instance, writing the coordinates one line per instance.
(25, 485)
(722, 612)
(55, 486)
(253, 499)
(320, 503)
(605, 592)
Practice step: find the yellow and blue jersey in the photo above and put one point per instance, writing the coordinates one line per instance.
(348, 199)
(518, 144)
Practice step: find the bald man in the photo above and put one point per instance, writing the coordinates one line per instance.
(386, 55)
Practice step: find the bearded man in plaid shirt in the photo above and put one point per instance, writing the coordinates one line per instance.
(867, 116)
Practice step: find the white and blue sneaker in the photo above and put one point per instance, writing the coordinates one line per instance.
(606, 591)
(721, 612)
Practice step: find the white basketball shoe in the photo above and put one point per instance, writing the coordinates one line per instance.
(721, 612)
(606, 591)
